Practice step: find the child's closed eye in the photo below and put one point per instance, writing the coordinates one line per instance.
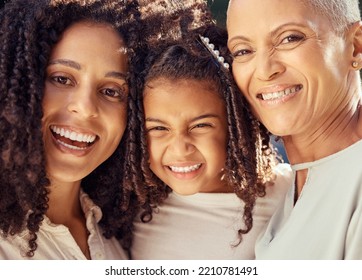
(156, 128)
(201, 127)
(156, 131)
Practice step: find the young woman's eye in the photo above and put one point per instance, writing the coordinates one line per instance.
(115, 93)
(62, 80)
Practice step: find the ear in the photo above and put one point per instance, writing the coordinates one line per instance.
(356, 33)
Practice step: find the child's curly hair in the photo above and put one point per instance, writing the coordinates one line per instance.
(28, 32)
(179, 54)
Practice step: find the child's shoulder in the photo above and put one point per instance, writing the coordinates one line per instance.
(283, 169)
(276, 190)
(283, 175)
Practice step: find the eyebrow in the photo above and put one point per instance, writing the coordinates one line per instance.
(66, 62)
(117, 75)
(273, 32)
(205, 116)
(294, 24)
(155, 120)
(77, 66)
(239, 37)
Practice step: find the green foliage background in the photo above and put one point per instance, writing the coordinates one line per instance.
(218, 8)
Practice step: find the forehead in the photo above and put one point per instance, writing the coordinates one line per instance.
(169, 84)
(82, 29)
(250, 15)
(84, 42)
(194, 92)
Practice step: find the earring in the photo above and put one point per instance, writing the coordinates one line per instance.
(354, 64)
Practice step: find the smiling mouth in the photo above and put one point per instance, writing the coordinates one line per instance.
(184, 169)
(279, 94)
(71, 139)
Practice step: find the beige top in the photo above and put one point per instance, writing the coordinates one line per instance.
(326, 221)
(204, 225)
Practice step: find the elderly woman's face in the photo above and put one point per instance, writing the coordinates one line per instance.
(85, 100)
(288, 62)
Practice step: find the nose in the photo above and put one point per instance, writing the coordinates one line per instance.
(268, 66)
(83, 102)
(181, 145)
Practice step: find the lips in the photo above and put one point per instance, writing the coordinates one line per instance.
(72, 139)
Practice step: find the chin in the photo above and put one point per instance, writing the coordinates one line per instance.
(66, 175)
(185, 192)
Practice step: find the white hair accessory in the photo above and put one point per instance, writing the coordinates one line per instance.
(215, 53)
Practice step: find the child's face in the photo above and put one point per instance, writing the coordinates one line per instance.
(85, 101)
(187, 134)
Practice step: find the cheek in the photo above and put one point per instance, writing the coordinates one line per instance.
(46, 105)
(216, 149)
(52, 102)
(48, 108)
(155, 158)
(240, 76)
(154, 151)
(117, 128)
(122, 123)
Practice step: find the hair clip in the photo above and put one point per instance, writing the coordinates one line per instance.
(215, 53)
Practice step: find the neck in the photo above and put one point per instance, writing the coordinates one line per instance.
(65, 209)
(331, 137)
(339, 132)
(64, 202)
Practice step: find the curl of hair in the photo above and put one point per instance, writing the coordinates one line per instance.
(190, 59)
(166, 20)
(28, 33)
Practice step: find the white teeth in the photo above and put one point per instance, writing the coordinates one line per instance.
(185, 169)
(282, 93)
(72, 135)
(71, 146)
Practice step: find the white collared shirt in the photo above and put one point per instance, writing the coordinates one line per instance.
(55, 242)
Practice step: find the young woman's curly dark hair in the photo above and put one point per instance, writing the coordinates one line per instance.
(181, 55)
(28, 32)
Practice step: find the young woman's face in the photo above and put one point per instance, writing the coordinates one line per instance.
(187, 134)
(289, 63)
(85, 100)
